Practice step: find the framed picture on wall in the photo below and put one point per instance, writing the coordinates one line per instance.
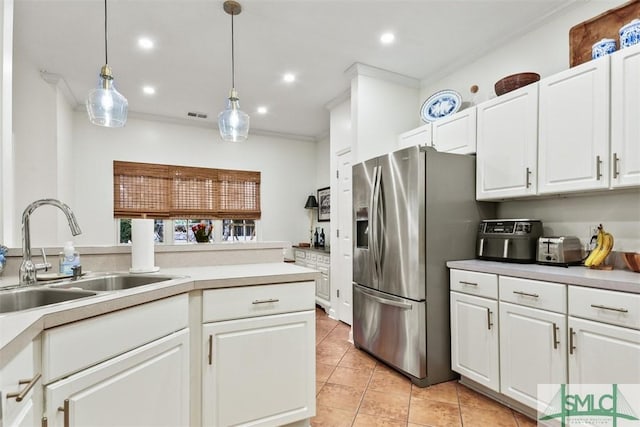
(324, 204)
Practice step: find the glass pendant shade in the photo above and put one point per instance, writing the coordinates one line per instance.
(233, 122)
(105, 105)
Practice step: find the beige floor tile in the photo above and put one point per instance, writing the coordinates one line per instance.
(364, 420)
(434, 413)
(332, 417)
(330, 353)
(323, 371)
(357, 359)
(443, 392)
(339, 396)
(523, 420)
(482, 417)
(389, 381)
(319, 385)
(357, 378)
(385, 405)
(470, 398)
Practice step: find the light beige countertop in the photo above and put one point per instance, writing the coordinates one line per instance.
(18, 328)
(615, 280)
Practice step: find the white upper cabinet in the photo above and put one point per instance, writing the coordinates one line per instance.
(507, 133)
(573, 141)
(418, 136)
(625, 117)
(456, 133)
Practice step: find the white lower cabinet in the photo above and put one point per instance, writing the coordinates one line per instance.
(258, 362)
(321, 261)
(532, 351)
(474, 339)
(21, 388)
(147, 386)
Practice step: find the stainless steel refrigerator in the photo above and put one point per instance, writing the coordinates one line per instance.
(413, 210)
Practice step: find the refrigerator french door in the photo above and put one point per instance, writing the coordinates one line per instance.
(413, 210)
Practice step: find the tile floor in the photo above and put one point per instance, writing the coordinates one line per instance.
(353, 389)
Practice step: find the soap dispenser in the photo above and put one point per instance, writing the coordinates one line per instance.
(68, 259)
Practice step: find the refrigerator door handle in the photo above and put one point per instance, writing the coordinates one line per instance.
(375, 207)
(373, 225)
(385, 301)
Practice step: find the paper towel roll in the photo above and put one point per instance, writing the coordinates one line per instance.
(142, 256)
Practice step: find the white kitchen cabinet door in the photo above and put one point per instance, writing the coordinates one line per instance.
(148, 386)
(324, 286)
(533, 350)
(507, 137)
(418, 136)
(259, 370)
(625, 117)
(20, 379)
(600, 353)
(573, 140)
(474, 339)
(456, 133)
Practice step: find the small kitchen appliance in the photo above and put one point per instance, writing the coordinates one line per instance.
(509, 240)
(563, 251)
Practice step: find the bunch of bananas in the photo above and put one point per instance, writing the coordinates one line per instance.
(603, 248)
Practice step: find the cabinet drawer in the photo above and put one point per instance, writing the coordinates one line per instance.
(471, 282)
(300, 255)
(323, 261)
(533, 293)
(73, 347)
(617, 308)
(251, 301)
(312, 256)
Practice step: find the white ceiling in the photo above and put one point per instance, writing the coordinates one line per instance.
(315, 39)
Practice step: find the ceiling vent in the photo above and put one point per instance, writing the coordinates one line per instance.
(197, 115)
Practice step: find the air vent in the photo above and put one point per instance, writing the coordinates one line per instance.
(197, 115)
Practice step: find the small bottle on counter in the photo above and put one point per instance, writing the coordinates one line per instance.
(316, 239)
(321, 239)
(68, 259)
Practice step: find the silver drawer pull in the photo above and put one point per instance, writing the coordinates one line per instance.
(20, 395)
(604, 307)
(468, 283)
(265, 301)
(526, 294)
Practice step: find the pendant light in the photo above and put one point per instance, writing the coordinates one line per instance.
(105, 105)
(232, 122)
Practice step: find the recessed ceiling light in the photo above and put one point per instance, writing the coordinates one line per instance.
(387, 38)
(289, 77)
(145, 43)
(262, 110)
(149, 90)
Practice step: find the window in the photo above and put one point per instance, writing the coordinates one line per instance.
(176, 196)
(145, 190)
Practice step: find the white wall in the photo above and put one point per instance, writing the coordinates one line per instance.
(6, 129)
(380, 111)
(288, 170)
(323, 179)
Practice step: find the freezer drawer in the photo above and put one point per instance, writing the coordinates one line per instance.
(391, 328)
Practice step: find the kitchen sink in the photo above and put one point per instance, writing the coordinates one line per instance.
(115, 282)
(23, 299)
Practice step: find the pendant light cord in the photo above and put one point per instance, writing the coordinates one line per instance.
(233, 61)
(106, 57)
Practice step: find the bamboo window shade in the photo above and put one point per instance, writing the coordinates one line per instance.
(145, 190)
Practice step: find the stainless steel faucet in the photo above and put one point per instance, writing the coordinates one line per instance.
(27, 268)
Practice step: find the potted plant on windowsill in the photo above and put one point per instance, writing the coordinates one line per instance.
(202, 232)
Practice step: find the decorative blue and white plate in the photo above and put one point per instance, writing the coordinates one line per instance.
(440, 104)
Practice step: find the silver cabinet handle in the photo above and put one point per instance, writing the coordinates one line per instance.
(528, 176)
(489, 322)
(20, 395)
(45, 422)
(265, 301)
(65, 409)
(571, 346)
(468, 283)
(616, 160)
(210, 349)
(526, 294)
(556, 341)
(604, 307)
(598, 167)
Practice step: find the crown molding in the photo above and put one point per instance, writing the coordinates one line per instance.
(59, 81)
(359, 69)
(338, 100)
